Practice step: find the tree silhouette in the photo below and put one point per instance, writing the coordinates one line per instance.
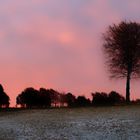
(62, 99)
(122, 49)
(81, 101)
(55, 97)
(115, 98)
(44, 98)
(20, 100)
(4, 98)
(28, 98)
(103, 99)
(31, 97)
(100, 98)
(70, 99)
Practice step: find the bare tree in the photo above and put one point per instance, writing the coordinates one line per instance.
(122, 49)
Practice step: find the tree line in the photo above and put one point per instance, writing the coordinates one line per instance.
(48, 98)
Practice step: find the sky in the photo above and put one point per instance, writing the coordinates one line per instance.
(58, 44)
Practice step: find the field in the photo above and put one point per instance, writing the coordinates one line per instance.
(98, 123)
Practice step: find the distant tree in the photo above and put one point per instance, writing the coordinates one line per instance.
(28, 98)
(4, 98)
(100, 98)
(70, 99)
(115, 98)
(82, 101)
(20, 100)
(122, 46)
(103, 99)
(44, 98)
(62, 99)
(31, 97)
(55, 97)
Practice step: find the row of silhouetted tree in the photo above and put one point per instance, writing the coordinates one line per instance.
(46, 98)
(107, 99)
(43, 98)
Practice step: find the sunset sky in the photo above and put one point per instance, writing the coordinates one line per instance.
(58, 44)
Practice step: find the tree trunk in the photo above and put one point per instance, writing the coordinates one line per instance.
(128, 88)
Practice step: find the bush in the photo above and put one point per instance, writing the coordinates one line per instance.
(107, 99)
(81, 101)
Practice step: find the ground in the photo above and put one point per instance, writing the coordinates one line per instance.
(94, 123)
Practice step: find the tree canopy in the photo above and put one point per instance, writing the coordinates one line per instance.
(122, 49)
(4, 98)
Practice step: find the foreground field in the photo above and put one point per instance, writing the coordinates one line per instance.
(110, 123)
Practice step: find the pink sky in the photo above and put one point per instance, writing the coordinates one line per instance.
(57, 44)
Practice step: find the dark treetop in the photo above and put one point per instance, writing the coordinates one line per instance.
(122, 49)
